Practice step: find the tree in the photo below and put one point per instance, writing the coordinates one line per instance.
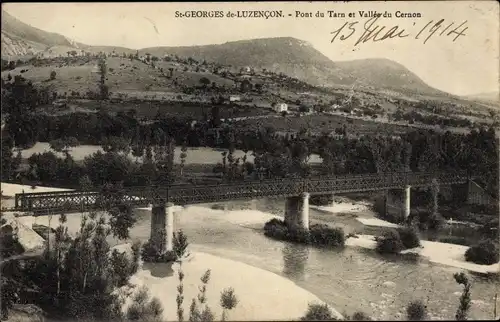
(52, 75)
(103, 88)
(116, 144)
(7, 158)
(318, 312)
(204, 82)
(416, 311)
(183, 156)
(64, 145)
(465, 300)
(180, 244)
(144, 308)
(228, 301)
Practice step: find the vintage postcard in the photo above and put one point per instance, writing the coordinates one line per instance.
(249, 161)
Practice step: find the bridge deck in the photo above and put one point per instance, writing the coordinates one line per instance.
(79, 201)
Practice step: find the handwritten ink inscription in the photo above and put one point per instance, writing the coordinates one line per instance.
(374, 31)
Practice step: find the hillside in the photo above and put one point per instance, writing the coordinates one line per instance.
(291, 56)
(20, 39)
(299, 59)
(490, 97)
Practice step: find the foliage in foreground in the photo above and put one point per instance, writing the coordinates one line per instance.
(416, 311)
(465, 300)
(318, 234)
(199, 311)
(154, 250)
(318, 312)
(76, 277)
(485, 252)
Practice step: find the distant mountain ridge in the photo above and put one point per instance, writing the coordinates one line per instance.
(291, 56)
(487, 97)
(300, 59)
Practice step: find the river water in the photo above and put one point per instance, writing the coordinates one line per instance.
(350, 280)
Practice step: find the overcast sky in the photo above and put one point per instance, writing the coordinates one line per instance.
(468, 65)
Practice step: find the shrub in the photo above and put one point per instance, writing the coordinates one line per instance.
(144, 308)
(318, 312)
(390, 243)
(180, 244)
(327, 236)
(409, 237)
(136, 256)
(435, 221)
(320, 200)
(121, 267)
(465, 300)
(276, 228)
(485, 252)
(319, 235)
(360, 316)
(416, 311)
(151, 252)
(217, 207)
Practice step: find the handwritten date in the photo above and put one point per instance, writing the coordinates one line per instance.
(375, 32)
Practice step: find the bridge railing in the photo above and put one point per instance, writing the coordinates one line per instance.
(185, 194)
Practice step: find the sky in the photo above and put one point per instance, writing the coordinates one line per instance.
(468, 65)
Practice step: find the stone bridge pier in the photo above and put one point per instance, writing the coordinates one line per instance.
(398, 202)
(162, 226)
(297, 212)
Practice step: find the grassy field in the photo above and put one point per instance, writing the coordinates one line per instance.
(319, 123)
(68, 78)
(150, 109)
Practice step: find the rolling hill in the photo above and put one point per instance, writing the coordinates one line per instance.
(299, 59)
(293, 57)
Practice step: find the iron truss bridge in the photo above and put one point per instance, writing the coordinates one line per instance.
(79, 201)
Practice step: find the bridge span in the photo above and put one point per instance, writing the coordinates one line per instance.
(162, 198)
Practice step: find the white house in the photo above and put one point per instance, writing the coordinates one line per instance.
(281, 107)
(234, 98)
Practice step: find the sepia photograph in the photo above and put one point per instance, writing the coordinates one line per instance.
(250, 161)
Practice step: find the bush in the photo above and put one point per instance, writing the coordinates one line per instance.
(318, 312)
(360, 316)
(435, 221)
(327, 236)
(151, 253)
(389, 243)
(416, 311)
(409, 237)
(485, 253)
(321, 200)
(276, 228)
(319, 235)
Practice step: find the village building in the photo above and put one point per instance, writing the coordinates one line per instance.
(280, 107)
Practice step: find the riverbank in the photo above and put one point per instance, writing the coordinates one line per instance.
(439, 253)
(262, 295)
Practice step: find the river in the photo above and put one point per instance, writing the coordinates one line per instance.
(201, 155)
(350, 280)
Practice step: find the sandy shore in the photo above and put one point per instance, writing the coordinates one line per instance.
(439, 253)
(436, 252)
(262, 295)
